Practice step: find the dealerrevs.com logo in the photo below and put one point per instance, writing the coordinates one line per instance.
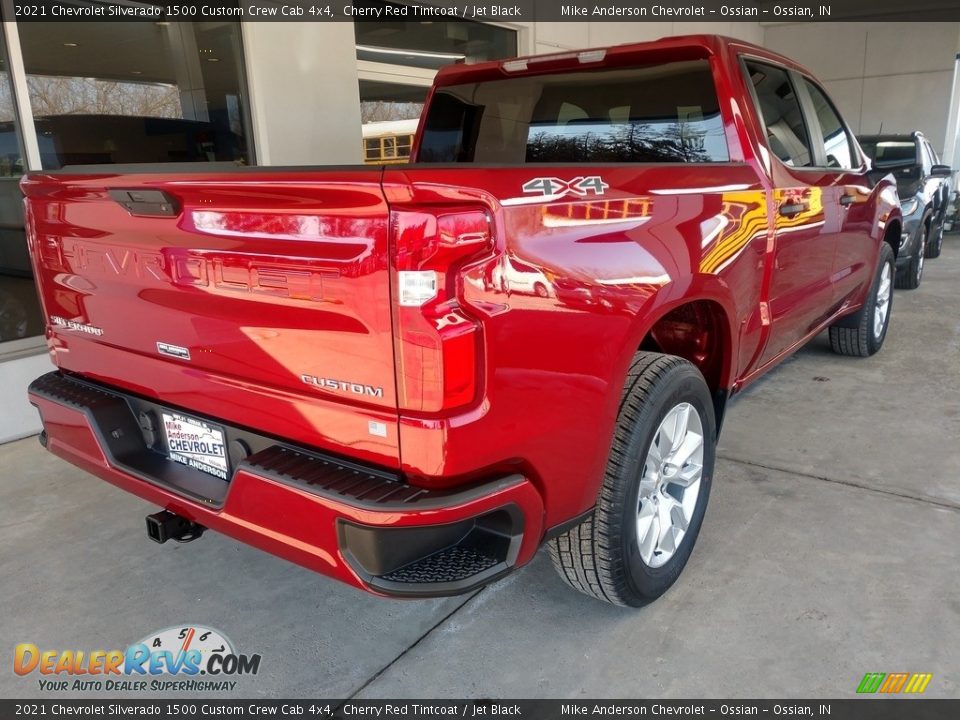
(180, 658)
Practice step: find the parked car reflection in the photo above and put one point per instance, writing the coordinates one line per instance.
(516, 276)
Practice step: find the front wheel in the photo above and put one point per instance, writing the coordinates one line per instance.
(909, 277)
(862, 334)
(656, 486)
(934, 245)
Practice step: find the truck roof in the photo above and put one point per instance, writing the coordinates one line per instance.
(679, 47)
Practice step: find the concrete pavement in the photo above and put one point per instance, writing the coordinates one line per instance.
(829, 550)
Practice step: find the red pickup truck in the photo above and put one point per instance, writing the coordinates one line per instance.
(410, 378)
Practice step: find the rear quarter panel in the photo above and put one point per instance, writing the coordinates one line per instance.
(555, 361)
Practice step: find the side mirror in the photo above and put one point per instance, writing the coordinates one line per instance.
(941, 171)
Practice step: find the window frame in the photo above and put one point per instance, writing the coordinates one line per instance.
(744, 58)
(17, 348)
(26, 140)
(815, 140)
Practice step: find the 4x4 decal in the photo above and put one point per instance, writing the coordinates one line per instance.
(555, 187)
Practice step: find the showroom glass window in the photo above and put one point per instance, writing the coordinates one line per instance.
(20, 315)
(837, 143)
(137, 92)
(396, 62)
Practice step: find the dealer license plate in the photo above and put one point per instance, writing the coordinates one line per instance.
(196, 443)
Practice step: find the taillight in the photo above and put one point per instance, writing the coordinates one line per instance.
(439, 353)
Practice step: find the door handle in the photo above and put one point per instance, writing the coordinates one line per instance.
(790, 209)
(846, 199)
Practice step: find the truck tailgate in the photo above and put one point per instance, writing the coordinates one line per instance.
(257, 297)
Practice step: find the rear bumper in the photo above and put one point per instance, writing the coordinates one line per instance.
(359, 524)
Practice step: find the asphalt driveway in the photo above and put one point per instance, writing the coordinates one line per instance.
(830, 550)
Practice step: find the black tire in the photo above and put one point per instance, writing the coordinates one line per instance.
(854, 335)
(909, 277)
(601, 556)
(541, 290)
(934, 243)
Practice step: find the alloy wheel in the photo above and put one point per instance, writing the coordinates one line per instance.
(882, 308)
(921, 253)
(670, 485)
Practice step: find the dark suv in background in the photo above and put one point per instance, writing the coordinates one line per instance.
(924, 188)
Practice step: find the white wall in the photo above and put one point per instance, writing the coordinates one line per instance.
(19, 418)
(547, 37)
(303, 86)
(897, 74)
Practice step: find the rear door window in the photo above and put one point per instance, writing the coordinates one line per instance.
(654, 114)
(837, 142)
(779, 108)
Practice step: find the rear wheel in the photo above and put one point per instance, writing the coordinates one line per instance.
(655, 491)
(862, 334)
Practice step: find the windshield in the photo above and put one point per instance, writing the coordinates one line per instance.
(661, 113)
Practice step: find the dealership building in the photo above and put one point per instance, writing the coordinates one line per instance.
(314, 93)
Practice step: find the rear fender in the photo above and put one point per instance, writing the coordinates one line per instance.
(703, 288)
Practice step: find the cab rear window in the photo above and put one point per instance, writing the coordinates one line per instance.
(654, 114)
(890, 152)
